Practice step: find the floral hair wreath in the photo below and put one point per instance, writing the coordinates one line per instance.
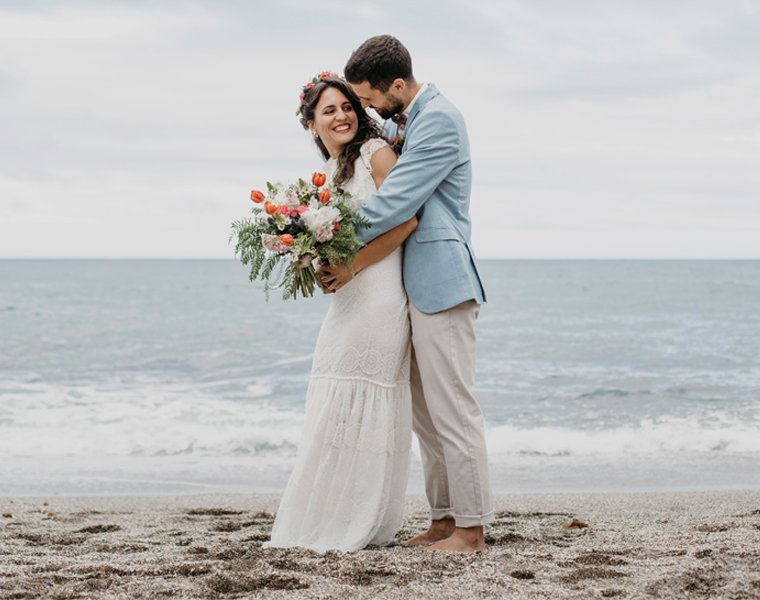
(315, 80)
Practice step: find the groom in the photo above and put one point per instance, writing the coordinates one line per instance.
(432, 179)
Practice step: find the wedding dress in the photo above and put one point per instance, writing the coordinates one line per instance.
(348, 486)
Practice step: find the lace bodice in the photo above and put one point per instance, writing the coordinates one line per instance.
(361, 186)
(367, 319)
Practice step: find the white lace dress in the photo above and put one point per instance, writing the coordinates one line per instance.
(348, 486)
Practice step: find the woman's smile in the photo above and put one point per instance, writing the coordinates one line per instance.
(335, 121)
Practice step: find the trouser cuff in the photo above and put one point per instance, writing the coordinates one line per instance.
(473, 520)
(436, 514)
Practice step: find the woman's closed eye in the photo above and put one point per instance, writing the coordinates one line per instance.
(347, 108)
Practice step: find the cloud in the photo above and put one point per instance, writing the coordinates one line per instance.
(592, 123)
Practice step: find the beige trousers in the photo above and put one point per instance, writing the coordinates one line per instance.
(446, 417)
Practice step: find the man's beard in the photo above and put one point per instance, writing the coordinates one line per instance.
(394, 108)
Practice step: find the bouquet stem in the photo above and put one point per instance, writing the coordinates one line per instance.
(305, 281)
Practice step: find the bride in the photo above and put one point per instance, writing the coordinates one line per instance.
(348, 486)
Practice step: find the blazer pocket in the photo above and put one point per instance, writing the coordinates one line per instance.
(436, 234)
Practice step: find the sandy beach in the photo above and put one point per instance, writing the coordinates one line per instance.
(658, 545)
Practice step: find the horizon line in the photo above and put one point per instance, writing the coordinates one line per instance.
(219, 258)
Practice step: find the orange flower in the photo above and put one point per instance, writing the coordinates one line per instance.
(257, 196)
(286, 239)
(318, 179)
(270, 208)
(324, 196)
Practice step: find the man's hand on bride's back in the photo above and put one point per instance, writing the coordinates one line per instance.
(335, 276)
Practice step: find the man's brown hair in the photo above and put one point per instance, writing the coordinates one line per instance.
(380, 60)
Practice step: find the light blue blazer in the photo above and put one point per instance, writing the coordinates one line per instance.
(431, 179)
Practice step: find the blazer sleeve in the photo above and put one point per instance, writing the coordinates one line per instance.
(429, 156)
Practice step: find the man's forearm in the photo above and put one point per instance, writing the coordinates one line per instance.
(413, 180)
(383, 245)
(386, 224)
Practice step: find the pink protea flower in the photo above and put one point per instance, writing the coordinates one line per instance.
(324, 233)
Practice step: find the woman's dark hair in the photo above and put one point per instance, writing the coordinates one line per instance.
(366, 127)
(380, 60)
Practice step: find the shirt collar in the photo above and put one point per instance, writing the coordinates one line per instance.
(423, 87)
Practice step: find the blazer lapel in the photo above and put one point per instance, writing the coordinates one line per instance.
(430, 93)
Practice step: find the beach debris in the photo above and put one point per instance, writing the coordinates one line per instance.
(213, 512)
(522, 574)
(574, 524)
(585, 573)
(99, 529)
(227, 526)
(502, 539)
(224, 584)
(595, 557)
(714, 528)
(7, 515)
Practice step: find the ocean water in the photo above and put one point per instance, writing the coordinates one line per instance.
(175, 376)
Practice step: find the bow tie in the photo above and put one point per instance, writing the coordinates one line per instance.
(399, 119)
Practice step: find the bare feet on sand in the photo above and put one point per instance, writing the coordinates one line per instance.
(444, 536)
(439, 530)
(463, 539)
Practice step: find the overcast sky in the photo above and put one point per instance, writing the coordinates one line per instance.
(599, 129)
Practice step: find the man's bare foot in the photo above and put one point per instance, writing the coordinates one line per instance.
(439, 530)
(463, 539)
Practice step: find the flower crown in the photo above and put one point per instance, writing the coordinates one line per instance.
(315, 80)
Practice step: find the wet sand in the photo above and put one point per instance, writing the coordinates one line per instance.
(648, 545)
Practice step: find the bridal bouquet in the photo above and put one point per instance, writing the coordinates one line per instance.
(292, 228)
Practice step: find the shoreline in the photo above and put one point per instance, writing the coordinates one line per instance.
(168, 476)
(637, 544)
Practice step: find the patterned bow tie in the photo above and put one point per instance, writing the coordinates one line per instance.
(399, 119)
